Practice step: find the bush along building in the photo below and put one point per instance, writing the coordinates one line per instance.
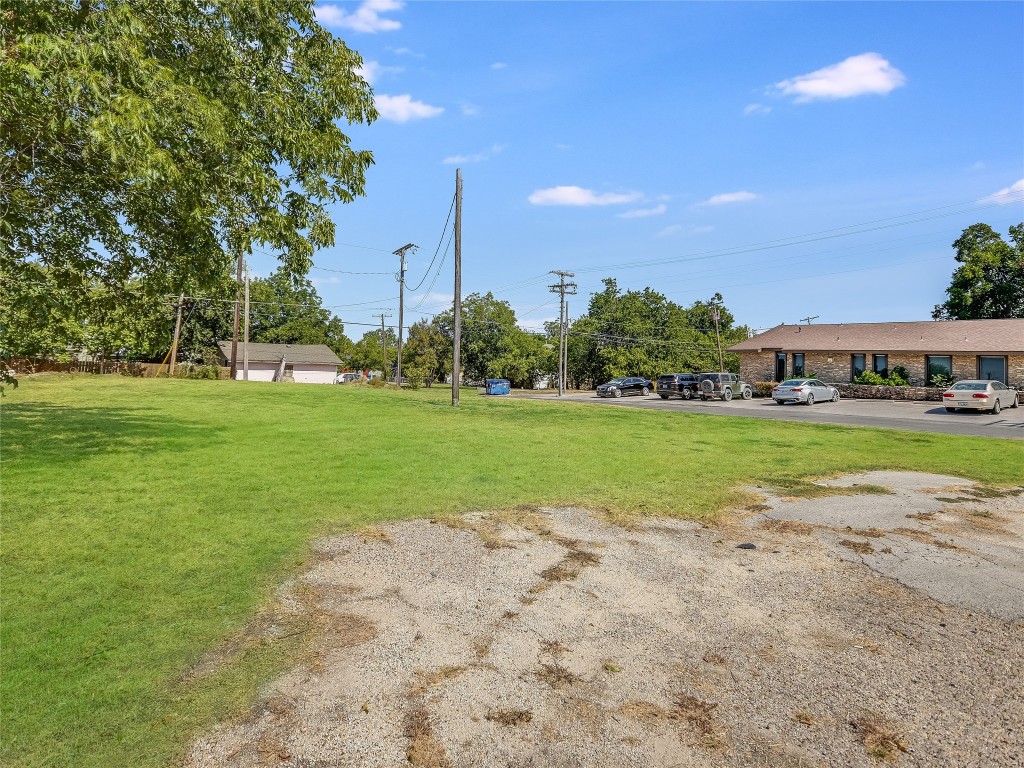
(931, 353)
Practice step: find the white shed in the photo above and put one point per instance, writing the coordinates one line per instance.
(301, 363)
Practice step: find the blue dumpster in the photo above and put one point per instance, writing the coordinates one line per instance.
(497, 387)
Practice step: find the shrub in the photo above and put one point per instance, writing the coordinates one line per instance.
(414, 377)
(901, 372)
(895, 380)
(764, 388)
(869, 377)
(378, 382)
(941, 380)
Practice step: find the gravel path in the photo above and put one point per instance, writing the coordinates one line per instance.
(548, 638)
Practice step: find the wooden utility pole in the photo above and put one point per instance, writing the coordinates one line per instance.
(383, 344)
(177, 334)
(245, 345)
(401, 305)
(808, 319)
(563, 289)
(238, 312)
(716, 316)
(457, 346)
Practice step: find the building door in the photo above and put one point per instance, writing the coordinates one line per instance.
(992, 368)
(780, 366)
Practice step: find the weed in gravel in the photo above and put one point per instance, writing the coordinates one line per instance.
(424, 750)
(796, 527)
(758, 507)
(372, 533)
(608, 665)
(697, 712)
(922, 516)
(867, 533)
(860, 547)
(509, 717)
(715, 658)
(482, 645)
(803, 717)
(927, 538)
(792, 488)
(427, 680)
(553, 647)
(556, 675)
(569, 567)
(880, 738)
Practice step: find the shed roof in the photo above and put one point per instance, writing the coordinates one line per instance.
(312, 354)
(932, 336)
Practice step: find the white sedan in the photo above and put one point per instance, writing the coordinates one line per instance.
(979, 395)
(806, 391)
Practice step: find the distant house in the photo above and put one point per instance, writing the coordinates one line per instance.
(838, 353)
(302, 363)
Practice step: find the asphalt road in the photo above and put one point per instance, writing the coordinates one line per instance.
(888, 414)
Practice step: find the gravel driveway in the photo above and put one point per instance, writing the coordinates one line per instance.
(846, 630)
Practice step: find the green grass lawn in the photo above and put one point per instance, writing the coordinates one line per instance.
(146, 520)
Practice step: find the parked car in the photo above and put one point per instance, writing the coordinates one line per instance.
(723, 385)
(346, 377)
(975, 394)
(634, 385)
(685, 385)
(806, 391)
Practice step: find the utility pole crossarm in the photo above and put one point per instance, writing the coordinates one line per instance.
(563, 289)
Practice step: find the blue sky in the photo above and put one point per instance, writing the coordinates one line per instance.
(800, 158)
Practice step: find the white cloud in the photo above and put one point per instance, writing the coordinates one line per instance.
(563, 147)
(756, 109)
(978, 166)
(479, 157)
(1011, 194)
(701, 230)
(469, 110)
(406, 52)
(499, 65)
(730, 197)
(675, 229)
(371, 71)
(641, 213)
(401, 109)
(855, 76)
(366, 18)
(581, 197)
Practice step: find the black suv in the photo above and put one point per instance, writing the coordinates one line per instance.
(685, 385)
(723, 385)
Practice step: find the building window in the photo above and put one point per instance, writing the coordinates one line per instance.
(992, 368)
(881, 365)
(856, 366)
(938, 365)
(798, 364)
(780, 366)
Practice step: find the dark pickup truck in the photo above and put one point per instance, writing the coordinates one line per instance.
(686, 385)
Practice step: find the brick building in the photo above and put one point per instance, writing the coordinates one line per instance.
(962, 349)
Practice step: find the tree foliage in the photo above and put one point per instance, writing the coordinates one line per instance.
(150, 141)
(989, 283)
(642, 333)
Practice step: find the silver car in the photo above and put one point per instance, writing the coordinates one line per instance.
(979, 395)
(806, 391)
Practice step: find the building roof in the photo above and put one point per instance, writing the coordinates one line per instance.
(931, 336)
(312, 354)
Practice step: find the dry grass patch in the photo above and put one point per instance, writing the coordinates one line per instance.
(509, 717)
(557, 676)
(880, 738)
(553, 647)
(798, 489)
(803, 717)
(427, 680)
(715, 658)
(689, 709)
(374, 533)
(796, 527)
(867, 533)
(424, 750)
(860, 547)
(570, 566)
(927, 538)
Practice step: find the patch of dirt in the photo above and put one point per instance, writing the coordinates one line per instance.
(547, 638)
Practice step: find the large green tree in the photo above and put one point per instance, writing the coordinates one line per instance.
(285, 309)
(989, 283)
(154, 139)
(643, 333)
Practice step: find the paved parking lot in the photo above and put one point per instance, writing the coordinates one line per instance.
(889, 414)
